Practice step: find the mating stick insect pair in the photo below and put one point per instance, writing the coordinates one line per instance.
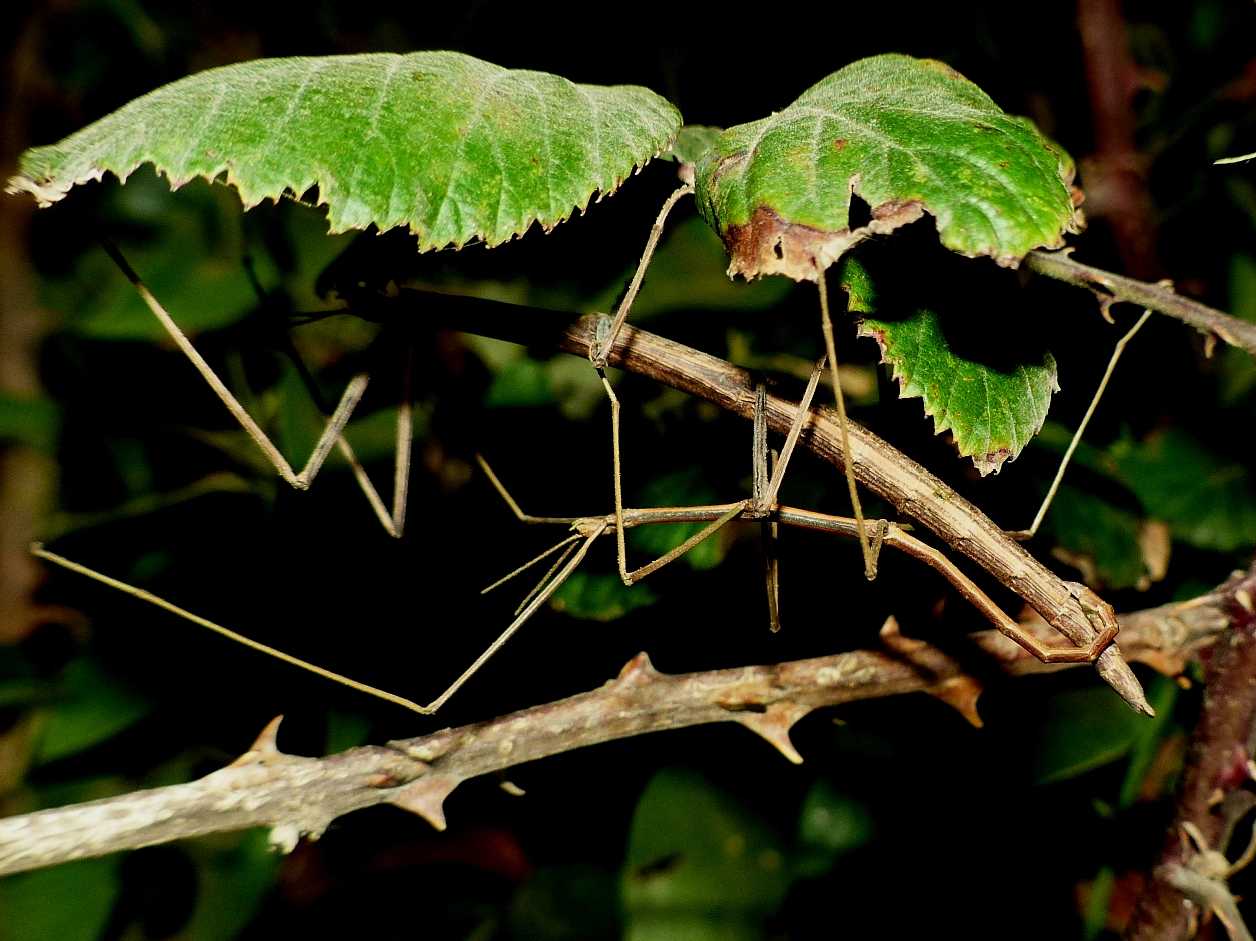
(567, 555)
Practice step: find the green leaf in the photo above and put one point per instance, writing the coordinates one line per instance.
(1065, 751)
(92, 708)
(34, 422)
(686, 487)
(699, 865)
(37, 906)
(907, 135)
(829, 824)
(598, 597)
(1207, 502)
(694, 140)
(449, 146)
(1090, 528)
(993, 405)
(236, 871)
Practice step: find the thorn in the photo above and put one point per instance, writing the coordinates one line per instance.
(511, 788)
(892, 637)
(961, 692)
(637, 672)
(264, 747)
(426, 797)
(774, 725)
(1244, 598)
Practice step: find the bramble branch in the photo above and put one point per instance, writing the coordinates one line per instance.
(1115, 288)
(296, 796)
(1215, 793)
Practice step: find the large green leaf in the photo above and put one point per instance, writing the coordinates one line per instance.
(1206, 501)
(909, 136)
(449, 146)
(699, 865)
(992, 402)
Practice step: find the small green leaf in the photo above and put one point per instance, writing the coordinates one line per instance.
(1087, 526)
(681, 488)
(699, 865)
(92, 708)
(598, 597)
(449, 146)
(829, 824)
(907, 135)
(992, 402)
(694, 140)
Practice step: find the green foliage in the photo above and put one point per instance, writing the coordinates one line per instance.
(90, 707)
(70, 902)
(32, 421)
(680, 488)
(992, 396)
(1090, 528)
(908, 136)
(699, 865)
(595, 596)
(388, 140)
(1207, 502)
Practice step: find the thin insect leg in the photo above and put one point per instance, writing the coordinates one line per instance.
(830, 346)
(759, 448)
(795, 430)
(514, 506)
(519, 621)
(342, 443)
(42, 553)
(893, 535)
(335, 425)
(759, 501)
(404, 440)
(601, 350)
(575, 537)
(621, 550)
(1081, 429)
(770, 532)
(650, 568)
(549, 573)
(1004, 624)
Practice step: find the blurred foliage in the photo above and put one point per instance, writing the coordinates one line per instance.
(901, 817)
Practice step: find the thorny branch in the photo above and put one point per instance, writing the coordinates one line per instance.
(1115, 288)
(1215, 794)
(297, 796)
(880, 467)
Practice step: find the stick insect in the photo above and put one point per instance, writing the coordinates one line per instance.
(762, 506)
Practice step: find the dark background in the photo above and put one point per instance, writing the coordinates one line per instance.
(904, 819)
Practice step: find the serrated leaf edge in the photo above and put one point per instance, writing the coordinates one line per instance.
(988, 461)
(46, 196)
